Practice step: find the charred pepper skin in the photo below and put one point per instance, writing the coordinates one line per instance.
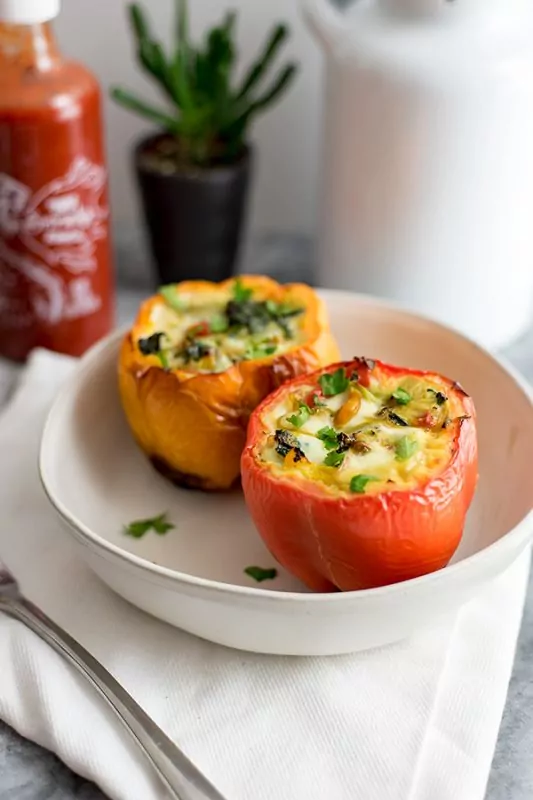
(342, 541)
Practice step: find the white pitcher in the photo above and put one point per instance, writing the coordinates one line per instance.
(427, 193)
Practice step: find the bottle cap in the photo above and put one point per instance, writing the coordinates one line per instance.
(28, 12)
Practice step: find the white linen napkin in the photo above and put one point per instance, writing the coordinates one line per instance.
(414, 721)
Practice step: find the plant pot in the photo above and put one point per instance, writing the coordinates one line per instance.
(194, 216)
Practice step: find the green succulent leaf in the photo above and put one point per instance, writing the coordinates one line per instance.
(209, 115)
(130, 101)
(138, 21)
(260, 67)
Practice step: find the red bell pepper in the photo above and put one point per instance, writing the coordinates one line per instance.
(327, 518)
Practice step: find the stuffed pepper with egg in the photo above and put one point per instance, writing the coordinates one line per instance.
(199, 359)
(361, 474)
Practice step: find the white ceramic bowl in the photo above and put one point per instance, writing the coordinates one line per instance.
(193, 577)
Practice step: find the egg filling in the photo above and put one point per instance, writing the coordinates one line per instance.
(208, 332)
(363, 434)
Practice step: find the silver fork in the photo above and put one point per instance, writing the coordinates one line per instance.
(181, 778)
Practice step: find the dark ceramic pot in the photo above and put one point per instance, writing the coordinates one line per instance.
(195, 217)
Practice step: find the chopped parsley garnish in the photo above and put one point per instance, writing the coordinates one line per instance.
(171, 297)
(401, 396)
(151, 345)
(405, 448)
(219, 324)
(282, 310)
(440, 397)
(240, 293)
(334, 459)
(139, 527)
(329, 436)
(162, 356)
(259, 574)
(260, 350)
(317, 402)
(333, 383)
(359, 483)
(301, 416)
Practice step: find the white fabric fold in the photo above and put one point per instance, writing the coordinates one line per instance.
(413, 721)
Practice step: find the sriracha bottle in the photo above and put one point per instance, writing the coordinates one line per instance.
(56, 288)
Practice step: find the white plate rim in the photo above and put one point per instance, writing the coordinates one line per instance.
(90, 538)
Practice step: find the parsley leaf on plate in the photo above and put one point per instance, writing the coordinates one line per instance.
(139, 527)
(259, 574)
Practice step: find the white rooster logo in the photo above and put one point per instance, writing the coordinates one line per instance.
(58, 226)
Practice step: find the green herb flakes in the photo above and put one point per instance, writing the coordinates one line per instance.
(219, 324)
(261, 350)
(240, 293)
(329, 436)
(282, 310)
(317, 402)
(401, 396)
(333, 383)
(405, 448)
(259, 574)
(171, 297)
(359, 483)
(247, 314)
(162, 356)
(139, 527)
(334, 459)
(300, 418)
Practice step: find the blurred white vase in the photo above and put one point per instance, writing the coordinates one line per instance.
(427, 193)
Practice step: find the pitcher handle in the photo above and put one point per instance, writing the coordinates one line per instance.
(324, 20)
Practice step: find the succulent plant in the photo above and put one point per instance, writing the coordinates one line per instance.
(208, 111)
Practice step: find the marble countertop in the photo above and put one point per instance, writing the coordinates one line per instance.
(28, 772)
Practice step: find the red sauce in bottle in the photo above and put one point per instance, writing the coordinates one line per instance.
(55, 271)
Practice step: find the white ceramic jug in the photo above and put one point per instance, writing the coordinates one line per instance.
(427, 193)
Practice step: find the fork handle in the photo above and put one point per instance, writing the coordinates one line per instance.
(181, 778)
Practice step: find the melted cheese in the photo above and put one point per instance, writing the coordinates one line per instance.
(220, 349)
(393, 444)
